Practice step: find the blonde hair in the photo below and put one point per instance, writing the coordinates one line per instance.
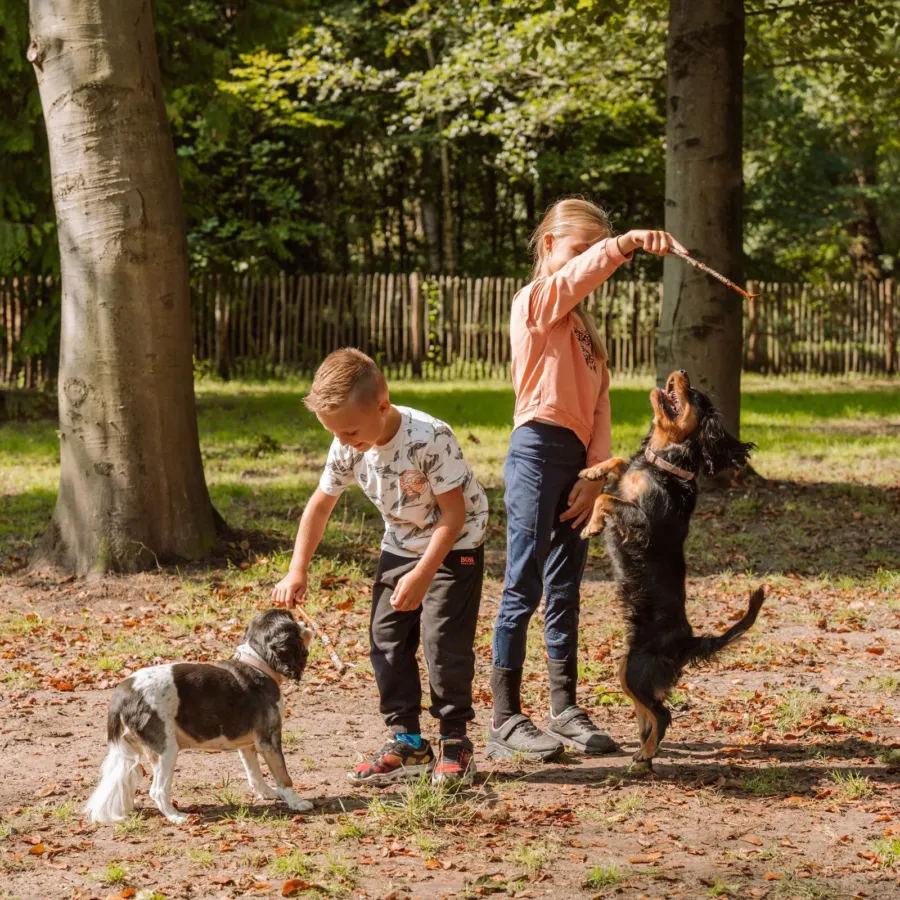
(564, 217)
(344, 377)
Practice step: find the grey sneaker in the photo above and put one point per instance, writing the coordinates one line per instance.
(574, 728)
(519, 736)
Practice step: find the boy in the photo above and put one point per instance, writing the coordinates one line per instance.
(431, 567)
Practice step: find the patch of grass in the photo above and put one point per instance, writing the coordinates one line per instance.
(200, 857)
(851, 785)
(422, 807)
(5, 830)
(796, 706)
(18, 624)
(604, 876)
(427, 844)
(887, 851)
(606, 696)
(337, 868)
(291, 739)
(114, 874)
(793, 888)
(883, 684)
(533, 856)
(19, 680)
(292, 865)
(226, 795)
(890, 757)
(349, 831)
(629, 804)
(721, 888)
(133, 826)
(764, 782)
(65, 812)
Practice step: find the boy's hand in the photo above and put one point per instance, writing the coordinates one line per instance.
(291, 590)
(581, 501)
(655, 242)
(410, 591)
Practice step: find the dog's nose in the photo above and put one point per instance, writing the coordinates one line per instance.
(683, 372)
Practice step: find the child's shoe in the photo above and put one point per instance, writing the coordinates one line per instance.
(396, 761)
(456, 764)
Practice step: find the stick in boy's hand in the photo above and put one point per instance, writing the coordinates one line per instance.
(704, 268)
(323, 637)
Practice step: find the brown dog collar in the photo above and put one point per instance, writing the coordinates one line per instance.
(250, 657)
(660, 463)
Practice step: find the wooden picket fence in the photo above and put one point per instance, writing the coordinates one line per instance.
(443, 327)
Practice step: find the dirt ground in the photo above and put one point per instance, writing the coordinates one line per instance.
(778, 778)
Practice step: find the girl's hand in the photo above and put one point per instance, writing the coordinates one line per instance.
(581, 501)
(655, 242)
(290, 590)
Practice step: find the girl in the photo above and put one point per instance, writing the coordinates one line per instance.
(562, 425)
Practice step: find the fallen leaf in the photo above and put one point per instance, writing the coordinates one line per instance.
(877, 651)
(37, 850)
(772, 876)
(295, 885)
(127, 893)
(47, 790)
(752, 839)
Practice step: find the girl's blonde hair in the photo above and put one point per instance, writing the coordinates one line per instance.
(563, 218)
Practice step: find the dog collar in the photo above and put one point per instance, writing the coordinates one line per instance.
(246, 654)
(660, 463)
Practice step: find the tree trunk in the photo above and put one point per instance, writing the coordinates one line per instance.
(867, 244)
(132, 492)
(700, 327)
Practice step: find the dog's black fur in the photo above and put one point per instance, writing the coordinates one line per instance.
(647, 515)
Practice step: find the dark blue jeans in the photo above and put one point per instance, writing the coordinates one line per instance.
(542, 553)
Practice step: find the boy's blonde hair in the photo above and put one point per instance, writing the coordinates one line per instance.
(564, 217)
(344, 377)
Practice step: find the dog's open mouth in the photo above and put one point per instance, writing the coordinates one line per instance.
(669, 399)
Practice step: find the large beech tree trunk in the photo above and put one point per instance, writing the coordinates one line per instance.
(700, 329)
(131, 489)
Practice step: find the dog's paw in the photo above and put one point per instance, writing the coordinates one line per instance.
(266, 793)
(297, 804)
(592, 474)
(177, 820)
(588, 531)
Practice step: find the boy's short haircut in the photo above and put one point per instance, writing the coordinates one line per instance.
(344, 377)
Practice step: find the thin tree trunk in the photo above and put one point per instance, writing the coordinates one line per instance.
(446, 184)
(700, 328)
(867, 246)
(131, 491)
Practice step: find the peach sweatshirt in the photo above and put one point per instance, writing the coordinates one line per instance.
(556, 376)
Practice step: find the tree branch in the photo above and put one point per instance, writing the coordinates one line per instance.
(794, 7)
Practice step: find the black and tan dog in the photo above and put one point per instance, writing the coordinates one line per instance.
(230, 705)
(646, 515)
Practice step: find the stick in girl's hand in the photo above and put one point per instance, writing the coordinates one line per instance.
(705, 268)
(335, 659)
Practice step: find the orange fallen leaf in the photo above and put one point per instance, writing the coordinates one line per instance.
(47, 790)
(772, 876)
(432, 864)
(752, 839)
(37, 850)
(877, 651)
(127, 893)
(294, 886)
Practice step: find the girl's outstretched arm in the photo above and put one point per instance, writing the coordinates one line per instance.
(554, 296)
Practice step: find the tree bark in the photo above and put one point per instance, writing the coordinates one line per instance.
(132, 492)
(700, 328)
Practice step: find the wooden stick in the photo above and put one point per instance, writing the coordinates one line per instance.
(705, 268)
(323, 637)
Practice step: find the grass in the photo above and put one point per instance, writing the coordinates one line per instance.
(793, 888)
(887, 851)
(533, 856)
(134, 826)
(604, 876)
(721, 888)
(420, 806)
(768, 781)
(795, 707)
(890, 757)
(851, 785)
(114, 874)
(291, 865)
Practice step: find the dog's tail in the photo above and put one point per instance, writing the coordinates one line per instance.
(120, 774)
(706, 646)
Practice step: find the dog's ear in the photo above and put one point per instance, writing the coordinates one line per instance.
(720, 450)
(287, 653)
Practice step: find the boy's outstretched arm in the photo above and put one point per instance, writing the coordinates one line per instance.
(292, 588)
(411, 588)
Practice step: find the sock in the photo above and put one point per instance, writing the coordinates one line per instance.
(416, 741)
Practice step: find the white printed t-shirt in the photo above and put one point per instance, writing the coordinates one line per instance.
(402, 478)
